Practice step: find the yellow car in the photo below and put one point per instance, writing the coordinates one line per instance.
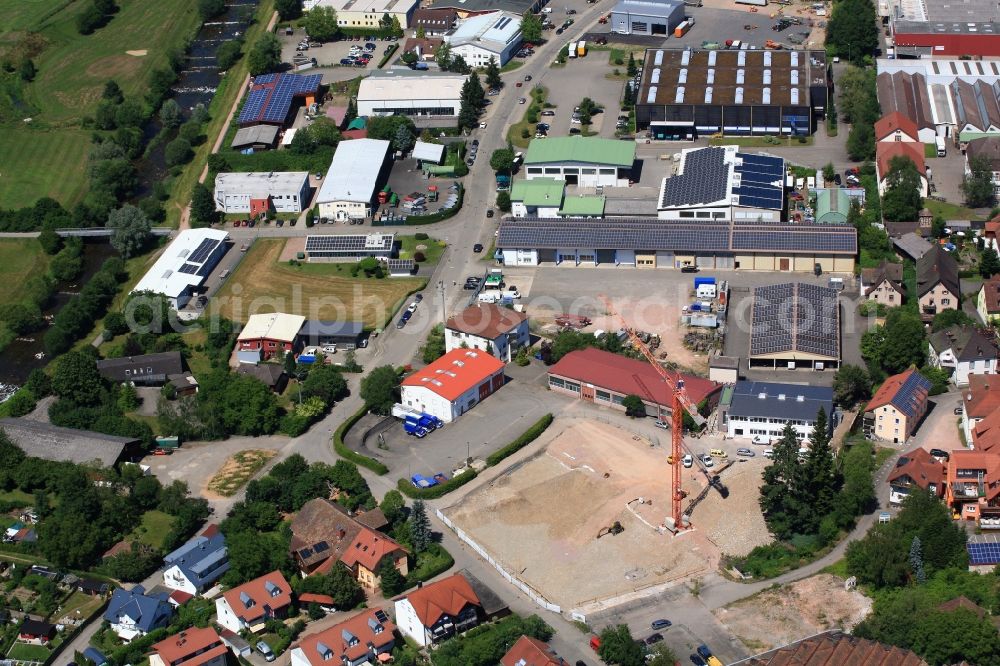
(719, 453)
(670, 460)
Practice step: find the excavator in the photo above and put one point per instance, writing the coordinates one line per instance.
(680, 519)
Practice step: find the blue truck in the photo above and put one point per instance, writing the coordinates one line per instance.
(698, 281)
(415, 429)
(421, 481)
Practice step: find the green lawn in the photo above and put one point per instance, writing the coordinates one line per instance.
(27, 652)
(46, 158)
(433, 249)
(16, 495)
(950, 211)
(153, 528)
(20, 259)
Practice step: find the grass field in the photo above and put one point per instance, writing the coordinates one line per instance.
(48, 155)
(950, 211)
(153, 528)
(20, 259)
(25, 652)
(237, 470)
(317, 291)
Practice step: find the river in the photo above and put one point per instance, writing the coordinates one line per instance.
(196, 84)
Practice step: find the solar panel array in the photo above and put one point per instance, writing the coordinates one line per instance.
(190, 269)
(346, 244)
(203, 251)
(983, 552)
(400, 264)
(271, 96)
(761, 181)
(796, 237)
(705, 179)
(906, 397)
(795, 317)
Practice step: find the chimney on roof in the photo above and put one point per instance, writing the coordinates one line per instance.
(341, 532)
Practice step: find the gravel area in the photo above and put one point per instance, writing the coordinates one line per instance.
(735, 524)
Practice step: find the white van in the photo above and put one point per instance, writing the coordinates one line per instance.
(942, 150)
(489, 297)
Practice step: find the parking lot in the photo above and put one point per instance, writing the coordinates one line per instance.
(329, 55)
(566, 93)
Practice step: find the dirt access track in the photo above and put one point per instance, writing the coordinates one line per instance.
(586, 476)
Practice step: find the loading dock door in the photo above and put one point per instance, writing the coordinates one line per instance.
(783, 264)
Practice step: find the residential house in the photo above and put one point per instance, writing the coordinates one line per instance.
(143, 370)
(195, 566)
(271, 375)
(96, 656)
(887, 150)
(36, 632)
(191, 647)
(834, 648)
(979, 401)
(438, 610)
(916, 469)
(359, 640)
(323, 533)
(269, 335)
(964, 351)
(988, 301)
(897, 407)
(938, 286)
(973, 488)
(985, 148)
(528, 651)
(434, 22)
(134, 613)
(250, 605)
(491, 328)
(895, 127)
(883, 284)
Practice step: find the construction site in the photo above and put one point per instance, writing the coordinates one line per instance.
(594, 502)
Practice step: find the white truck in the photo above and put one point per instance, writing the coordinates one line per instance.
(942, 150)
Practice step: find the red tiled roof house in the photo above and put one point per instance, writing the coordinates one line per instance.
(362, 639)
(897, 407)
(438, 610)
(973, 490)
(192, 647)
(529, 651)
(916, 469)
(252, 604)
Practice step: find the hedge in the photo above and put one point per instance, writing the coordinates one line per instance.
(392, 51)
(441, 214)
(527, 437)
(354, 456)
(440, 490)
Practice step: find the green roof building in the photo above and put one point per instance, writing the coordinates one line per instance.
(584, 161)
(542, 197)
(832, 206)
(582, 207)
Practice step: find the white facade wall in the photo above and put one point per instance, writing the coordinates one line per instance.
(961, 369)
(225, 617)
(408, 622)
(587, 175)
(520, 257)
(479, 56)
(345, 210)
(409, 107)
(519, 209)
(740, 426)
(423, 399)
(176, 580)
(234, 198)
(501, 347)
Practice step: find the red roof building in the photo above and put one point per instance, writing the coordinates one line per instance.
(453, 384)
(896, 127)
(438, 610)
(362, 639)
(192, 647)
(529, 651)
(973, 487)
(605, 379)
(250, 605)
(981, 401)
(885, 151)
(916, 469)
(833, 648)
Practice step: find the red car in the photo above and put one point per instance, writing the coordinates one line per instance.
(162, 452)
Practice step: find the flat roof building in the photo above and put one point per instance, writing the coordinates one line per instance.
(349, 187)
(427, 95)
(479, 39)
(942, 28)
(345, 334)
(652, 243)
(647, 17)
(795, 325)
(249, 192)
(358, 14)
(271, 98)
(184, 265)
(689, 93)
(584, 161)
(349, 248)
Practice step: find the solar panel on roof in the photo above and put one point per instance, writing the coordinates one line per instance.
(190, 269)
(352, 243)
(202, 252)
(983, 552)
(705, 179)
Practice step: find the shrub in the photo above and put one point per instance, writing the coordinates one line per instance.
(527, 437)
(353, 456)
(420, 236)
(440, 490)
(419, 257)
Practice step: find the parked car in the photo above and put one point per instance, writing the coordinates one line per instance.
(653, 639)
(413, 307)
(958, 411)
(689, 269)
(663, 624)
(522, 101)
(661, 424)
(941, 455)
(761, 439)
(746, 453)
(477, 248)
(687, 460)
(768, 453)
(489, 212)
(401, 323)
(265, 650)
(407, 315)
(527, 77)
(418, 297)
(707, 460)
(548, 113)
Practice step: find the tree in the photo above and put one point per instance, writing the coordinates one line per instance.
(131, 230)
(393, 507)
(662, 656)
(395, 27)
(326, 383)
(403, 140)
(820, 477)
(321, 23)
(128, 398)
(339, 583)
(409, 58)
(387, 128)
(503, 201)
(434, 348)
(442, 56)
(229, 53)
(851, 385)
(947, 318)
(977, 186)
(631, 68)
(468, 115)
(780, 495)
(472, 91)
(21, 318)
(502, 160)
(288, 10)
(26, 70)
(531, 27)
(420, 527)
(634, 406)
(458, 65)
(493, 79)
(916, 561)
(938, 377)
(618, 647)
(253, 554)
(989, 263)
(852, 31)
(380, 389)
(861, 142)
(112, 92)
(265, 56)
(50, 240)
(905, 341)
(829, 172)
(211, 8)
(390, 580)
(901, 200)
(76, 378)
(203, 206)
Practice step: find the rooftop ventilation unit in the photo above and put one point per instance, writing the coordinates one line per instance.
(682, 77)
(710, 76)
(651, 96)
(740, 76)
(708, 95)
(767, 77)
(686, 57)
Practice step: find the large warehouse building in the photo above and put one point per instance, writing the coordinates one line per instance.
(721, 183)
(587, 162)
(453, 384)
(688, 93)
(647, 17)
(422, 96)
(367, 13)
(649, 243)
(184, 265)
(485, 37)
(944, 28)
(795, 325)
(349, 187)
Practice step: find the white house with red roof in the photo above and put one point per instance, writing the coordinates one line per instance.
(436, 611)
(453, 384)
(252, 604)
(359, 640)
(191, 647)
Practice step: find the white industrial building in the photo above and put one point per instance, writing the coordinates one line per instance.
(350, 183)
(584, 161)
(366, 13)
(453, 384)
(283, 191)
(478, 39)
(411, 93)
(184, 265)
(647, 17)
(763, 409)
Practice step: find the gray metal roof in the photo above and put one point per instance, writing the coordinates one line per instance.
(652, 235)
(49, 442)
(248, 136)
(323, 327)
(783, 401)
(795, 317)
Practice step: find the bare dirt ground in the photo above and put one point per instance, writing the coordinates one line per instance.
(138, 52)
(587, 476)
(735, 524)
(792, 612)
(235, 472)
